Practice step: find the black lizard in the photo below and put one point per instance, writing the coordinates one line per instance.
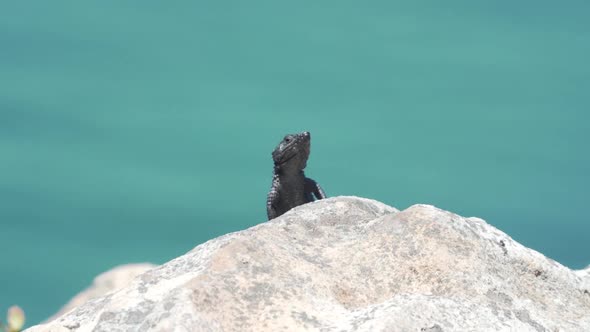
(290, 187)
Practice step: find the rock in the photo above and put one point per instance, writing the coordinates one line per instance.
(585, 276)
(109, 281)
(348, 264)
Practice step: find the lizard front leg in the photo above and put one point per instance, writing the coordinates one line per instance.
(312, 187)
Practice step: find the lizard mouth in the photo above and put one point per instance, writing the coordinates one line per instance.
(293, 151)
(295, 154)
(282, 161)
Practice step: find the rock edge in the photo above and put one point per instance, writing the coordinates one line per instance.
(348, 264)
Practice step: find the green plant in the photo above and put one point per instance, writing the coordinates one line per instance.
(15, 320)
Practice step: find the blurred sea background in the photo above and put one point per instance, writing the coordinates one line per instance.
(134, 131)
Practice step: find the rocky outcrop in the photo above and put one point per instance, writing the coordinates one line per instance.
(107, 282)
(585, 276)
(348, 264)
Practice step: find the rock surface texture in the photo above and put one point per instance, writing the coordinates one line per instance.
(107, 282)
(348, 264)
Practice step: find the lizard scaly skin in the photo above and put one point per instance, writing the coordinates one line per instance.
(290, 187)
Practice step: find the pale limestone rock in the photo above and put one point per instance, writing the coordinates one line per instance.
(348, 264)
(585, 276)
(107, 282)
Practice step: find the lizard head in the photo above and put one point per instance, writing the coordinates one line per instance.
(293, 151)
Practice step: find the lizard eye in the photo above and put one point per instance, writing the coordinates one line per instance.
(287, 139)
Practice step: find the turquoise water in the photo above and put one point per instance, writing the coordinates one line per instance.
(133, 132)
